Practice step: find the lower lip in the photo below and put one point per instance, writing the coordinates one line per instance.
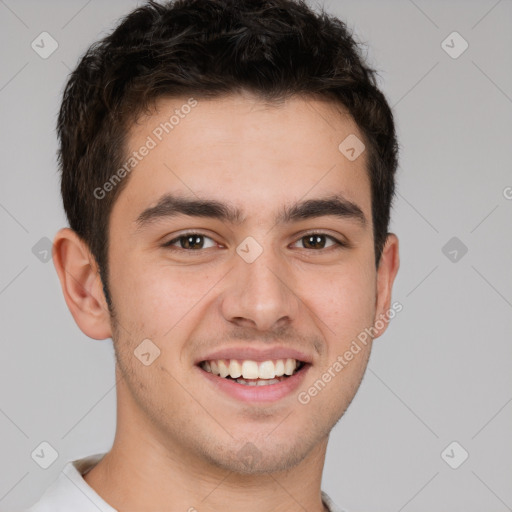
(268, 393)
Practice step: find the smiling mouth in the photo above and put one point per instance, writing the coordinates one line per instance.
(253, 373)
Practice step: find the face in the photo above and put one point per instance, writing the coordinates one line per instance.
(243, 237)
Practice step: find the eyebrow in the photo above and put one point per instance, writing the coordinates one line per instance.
(170, 205)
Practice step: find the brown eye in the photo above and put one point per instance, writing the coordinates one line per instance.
(318, 241)
(189, 241)
(314, 241)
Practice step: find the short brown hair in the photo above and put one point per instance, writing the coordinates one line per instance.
(208, 49)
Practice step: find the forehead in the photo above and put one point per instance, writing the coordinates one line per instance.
(239, 149)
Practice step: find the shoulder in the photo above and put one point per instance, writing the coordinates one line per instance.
(331, 506)
(71, 492)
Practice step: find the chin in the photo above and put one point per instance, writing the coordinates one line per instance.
(261, 456)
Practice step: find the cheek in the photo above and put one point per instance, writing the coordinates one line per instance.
(344, 303)
(155, 297)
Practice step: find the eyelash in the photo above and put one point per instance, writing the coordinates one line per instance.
(169, 245)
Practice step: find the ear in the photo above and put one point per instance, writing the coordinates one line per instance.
(386, 273)
(81, 284)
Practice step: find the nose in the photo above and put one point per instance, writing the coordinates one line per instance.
(260, 294)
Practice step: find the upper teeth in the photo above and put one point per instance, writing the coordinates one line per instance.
(251, 369)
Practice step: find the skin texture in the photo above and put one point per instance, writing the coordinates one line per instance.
(178, 439)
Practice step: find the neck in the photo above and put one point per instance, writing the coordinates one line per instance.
(144, 471)
(138, 478)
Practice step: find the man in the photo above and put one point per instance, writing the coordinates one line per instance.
(227, 173)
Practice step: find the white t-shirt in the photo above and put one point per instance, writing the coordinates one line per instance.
(70, 492)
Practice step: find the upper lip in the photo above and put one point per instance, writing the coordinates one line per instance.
(255, 354)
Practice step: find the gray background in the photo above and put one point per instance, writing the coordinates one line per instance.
(441, 372)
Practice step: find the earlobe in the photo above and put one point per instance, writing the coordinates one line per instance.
(386, 273)
(81, 284)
